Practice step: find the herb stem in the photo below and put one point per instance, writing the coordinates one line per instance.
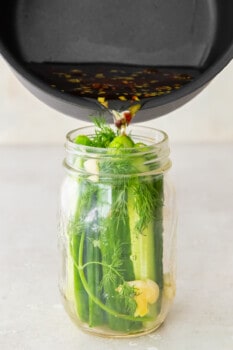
(80, 267)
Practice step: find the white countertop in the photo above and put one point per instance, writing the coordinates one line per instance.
(31, 315)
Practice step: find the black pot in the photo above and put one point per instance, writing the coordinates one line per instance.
(196, 34)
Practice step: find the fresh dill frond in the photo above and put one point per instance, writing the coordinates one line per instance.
(117, 254)
(120, 208)
(146, 200)
(125, 295)
(113, 268)
(104, 134)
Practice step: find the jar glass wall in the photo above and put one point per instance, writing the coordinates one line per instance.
(117, 234)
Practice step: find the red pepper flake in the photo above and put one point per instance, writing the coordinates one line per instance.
(128, 116)
(122, 119)
(96, 85)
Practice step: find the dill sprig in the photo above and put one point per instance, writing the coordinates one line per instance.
(104, 134)
(126, 294)
(113, 269)
(146, 200)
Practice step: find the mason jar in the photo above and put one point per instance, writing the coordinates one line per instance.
(117, 234)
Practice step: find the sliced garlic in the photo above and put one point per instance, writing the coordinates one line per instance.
(91, 167)
(147, 292)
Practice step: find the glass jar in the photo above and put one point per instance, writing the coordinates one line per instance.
(117, 234)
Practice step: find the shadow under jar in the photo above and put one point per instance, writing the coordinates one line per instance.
(117, 234)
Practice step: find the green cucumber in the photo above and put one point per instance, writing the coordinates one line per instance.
(74, 233)
(145, 208)
(87, 310)
(93, 270)
(116, 257)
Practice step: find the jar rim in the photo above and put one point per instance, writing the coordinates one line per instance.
(162, 139)
(155, 153)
